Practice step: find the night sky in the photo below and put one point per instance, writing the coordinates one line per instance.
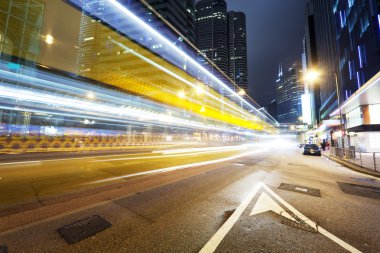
(275, 30)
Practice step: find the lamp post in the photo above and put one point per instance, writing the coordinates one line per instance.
(312, 76)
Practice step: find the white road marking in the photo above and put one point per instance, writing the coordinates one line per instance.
(239, 164)
(187, 150)
(179, 167)
(312, 223)
(160, 156)
(300, 189)
(265, 203)
(213, 243)
(37, 162)
(62, 159)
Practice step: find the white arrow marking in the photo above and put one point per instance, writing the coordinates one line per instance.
(213, 243)
(265, 203)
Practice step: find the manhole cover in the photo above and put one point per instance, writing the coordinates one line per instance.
(3, 249)
(360, 190)
(300, 189)
(83, 229)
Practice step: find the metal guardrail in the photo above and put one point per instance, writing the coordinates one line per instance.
(365, 159)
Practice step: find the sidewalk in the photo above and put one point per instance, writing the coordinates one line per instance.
(350, 165)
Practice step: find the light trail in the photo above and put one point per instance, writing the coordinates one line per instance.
(186, 150)
(96, 108)
(179, 167)
(168, 156)
(145, 26)
(195, 86)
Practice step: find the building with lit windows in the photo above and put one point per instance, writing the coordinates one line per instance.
(289, 89)
(343, 40)
(358, 36)
(237, 49)
(180, 14)
(212, 32)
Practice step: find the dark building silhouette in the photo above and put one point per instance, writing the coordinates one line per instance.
(179, 13)
(271, 108)
(322, 55)
(237, 49)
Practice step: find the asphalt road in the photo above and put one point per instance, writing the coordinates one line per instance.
(219, 204)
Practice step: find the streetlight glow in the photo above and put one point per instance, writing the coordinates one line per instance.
(199, 90)
(311, 76)
(181, 94)
(49, 39)
(90, 95)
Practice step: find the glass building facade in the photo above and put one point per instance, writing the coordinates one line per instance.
(102, 68)
(289, 89)
(358, 36)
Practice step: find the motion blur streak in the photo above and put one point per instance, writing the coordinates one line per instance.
(182, 152)
(185, 150)
(180, 167)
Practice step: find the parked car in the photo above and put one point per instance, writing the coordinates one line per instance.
(311, 149)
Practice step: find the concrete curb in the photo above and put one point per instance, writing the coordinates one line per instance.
(354, 167)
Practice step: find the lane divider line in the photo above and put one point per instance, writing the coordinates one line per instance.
(179, 167)
(62, 159)
(163, 156)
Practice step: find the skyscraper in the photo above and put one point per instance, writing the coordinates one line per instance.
(322, 54)
(358, 37)
(179, 13)
(212, 32)
(289, 89)
(237, 49)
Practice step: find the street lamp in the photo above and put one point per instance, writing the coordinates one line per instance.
(312, 76)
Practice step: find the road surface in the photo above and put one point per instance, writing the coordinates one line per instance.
(252, 199)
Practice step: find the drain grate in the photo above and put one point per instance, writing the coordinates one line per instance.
(83, 229)
(3, 249)
(360, 190)
(300, 189)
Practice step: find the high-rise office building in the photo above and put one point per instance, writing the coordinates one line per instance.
(237, 49)
(322, 54)
(179, 13)
(212, 32)
(358, 36)
(289, 89)
(343, 39)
